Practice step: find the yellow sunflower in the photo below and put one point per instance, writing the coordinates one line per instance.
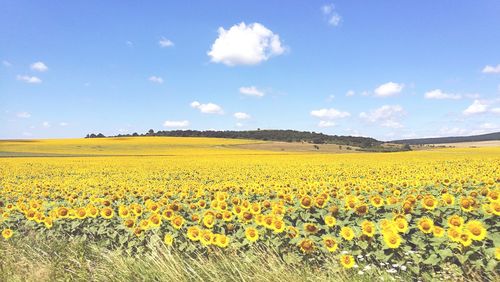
(347, 261)
(251, 234)
(347, 233)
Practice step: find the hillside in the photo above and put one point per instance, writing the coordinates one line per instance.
(265, 135)
(444, 140)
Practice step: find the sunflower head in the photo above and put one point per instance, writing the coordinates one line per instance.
(347, 261)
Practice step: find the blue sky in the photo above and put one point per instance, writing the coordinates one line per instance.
(386, 69)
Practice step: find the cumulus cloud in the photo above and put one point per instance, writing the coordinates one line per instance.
(209, 108)
(245, 45)
(438, 94)
(164, 43)
(495, 111)
(23, 115)
(39, 66)
(241, 115)
(251, 91)
(350, 93)
(326, 123)
(176, 123)
(156, 79)
(491, 69)
(477, 107)
(29, 79)
(388, 89)
(329, 114)
(386, 116)
(331, 15)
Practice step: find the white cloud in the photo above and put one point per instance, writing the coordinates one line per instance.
(239, 124)
(240, 115)
(39, 66)
(164, 42)
(325, 123)
(6, 63)
(251, 91)
(63, 124)
(472, 96)
(331, 15)
(350, 93)
(29, 79)
(23, 115)
(438, 94)
(245, 45)
(491, 69)
(488, 125)
(386, 116)
(176, 123)
(209, 108)
(495, 110)
(388, 89)
(477, 107)
(156, 79)
(329, 113)
(45, 124)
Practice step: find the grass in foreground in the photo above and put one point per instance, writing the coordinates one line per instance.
(32, 259)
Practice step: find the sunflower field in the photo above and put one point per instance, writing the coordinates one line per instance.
(419, 212)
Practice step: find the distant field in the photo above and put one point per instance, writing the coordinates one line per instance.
(298, 147)
(477, 144)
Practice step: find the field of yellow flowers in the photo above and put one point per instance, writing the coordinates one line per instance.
(419, 213)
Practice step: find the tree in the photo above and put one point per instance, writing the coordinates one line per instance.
(151, 132)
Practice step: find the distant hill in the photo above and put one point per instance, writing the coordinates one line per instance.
(457, 139)
(265, 135)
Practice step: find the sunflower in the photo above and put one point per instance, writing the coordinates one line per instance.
(62, 212)
(497, 253)
(476, 230)
(292, 232)
(209, 221)
(330, 243)
(330, 221)
(466, 204)
(48, 222)
(7, 233)
(426, 225)
(107, 213)
(438, 232)
(392, 239)
(123, 211)
(448, 199)
(310, 228)
(129, 223)
(221, 240)
(347, 233)
(306, 202)
(429, 202)
(278, 226)
(227, 216)
(92, 211)
(362, 209)
(155, 220)
(177, 222)
(193, 233)
(206, 237)
(306, 245)
(347, 261)
(466, 239)
(377, 201)
(168, 214)
(251, 234)
(495, 208)
(401, 225)
(454, 234)
(168, 239)
(455, 221)
(368, 228)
